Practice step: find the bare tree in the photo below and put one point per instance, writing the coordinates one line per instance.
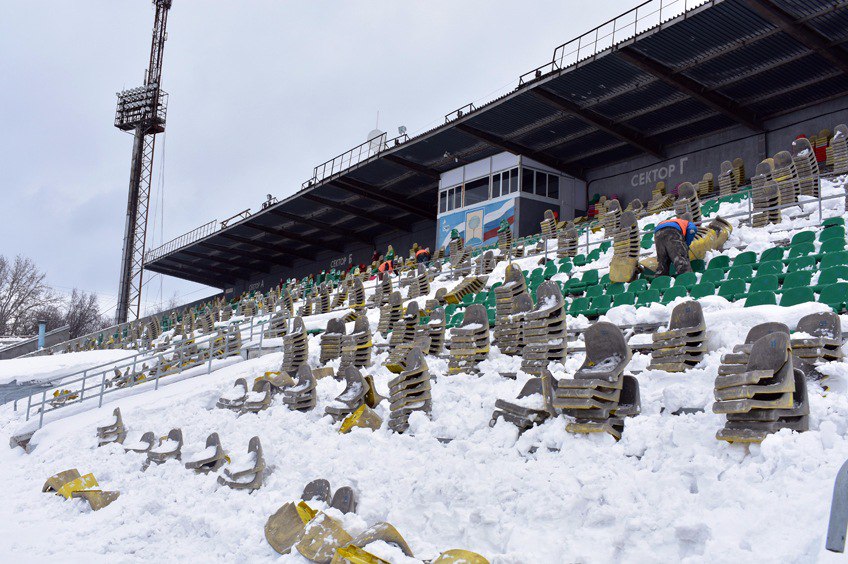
(83, 315)
(22, 291)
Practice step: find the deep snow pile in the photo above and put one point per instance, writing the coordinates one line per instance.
(667, 491)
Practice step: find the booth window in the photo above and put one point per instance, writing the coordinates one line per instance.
(477, 191)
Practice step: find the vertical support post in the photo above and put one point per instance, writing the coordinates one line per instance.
(43, 403)
(82, 388)
(158, 373)
(29, 405)
(102, 390)
(838, 523)
(42, 330)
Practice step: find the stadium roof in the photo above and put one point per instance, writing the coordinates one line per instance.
(630, 87)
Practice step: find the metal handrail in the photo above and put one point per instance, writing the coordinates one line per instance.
(459, 112)
(181, 241)
(621, 28)
(362, 153)
(98, 374)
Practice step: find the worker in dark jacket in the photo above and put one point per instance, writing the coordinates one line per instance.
(672, 239)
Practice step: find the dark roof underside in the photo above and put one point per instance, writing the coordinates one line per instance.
(726, 63)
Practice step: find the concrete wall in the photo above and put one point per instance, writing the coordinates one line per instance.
(51, 338)
(689, 161)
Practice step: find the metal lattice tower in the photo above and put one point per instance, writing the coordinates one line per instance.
(141, 110)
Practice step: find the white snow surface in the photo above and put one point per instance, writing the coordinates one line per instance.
(52, 368)
(667, 491)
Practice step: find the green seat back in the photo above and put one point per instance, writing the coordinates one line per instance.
(731, 289)
(579, 260)
(829, 233)
(833, 275)
(741, 271)
(835, 295)
(604, 247)
(565, 267)
(686, 280)
(834, 259)
(647, 241)
(712, 276)
(702, 290)
(801, 250)
(615, 289)
(832, 246)
(661, 283)
(590, 277)
(797, 279)
(764, 284)
(601, 304)
(649, 227)
(721, 261)
(550, 269)
(748, 257)
(769, 268)
(803, 237)
(468, 299)
(774, 253)
(698, 265)
(673, 293)
(594, 291)
(625, 298)
(831, 221)
(761, 298)
(605, 280)
(648, 297)
(579, 306)
(801, 263)
(638, 286)
(795, 296)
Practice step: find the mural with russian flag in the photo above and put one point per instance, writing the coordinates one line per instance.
(477, 226)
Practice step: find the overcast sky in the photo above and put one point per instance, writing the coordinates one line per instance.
(260, 92)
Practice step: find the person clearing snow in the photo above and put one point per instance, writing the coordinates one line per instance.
(672, 239)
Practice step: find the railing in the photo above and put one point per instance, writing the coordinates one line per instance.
(182, 241)
(351, 158)
(238, 217)
(626, 26)
(459, 112)
(94, 382)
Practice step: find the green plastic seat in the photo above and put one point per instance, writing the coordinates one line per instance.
(638, 286)
(579, 260)
(721, 262)
(774, 253)
(594, 291)
(661, 283)
(801, 263)
(803, 237)
(673, 293)
(604, 247)
(450, 309)
(801, 250)
(647, 241)
(712, 276)
(686, 280)
(550, 270)
(468, 299)
(832, 275)
(625, 298)
(615, 289)
(829, 233)
(605, 280)
(832, 246)
(698, 265)
(834, 259)
(772, 267)
(649, 227)
(702, 290)
(593, 256)
(732, 289)
(740, 271)
(797, 279)
(565, 266)
(795, 296)
(764, 284)
(835, 295)
(601, 304)
(761, 298)
(648, 297)
(832, 221)
(579, 306)
(748, 257)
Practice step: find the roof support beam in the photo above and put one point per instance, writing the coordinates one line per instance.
(352, 210)
(267, 246)
(239, 267)
(374, 193)
(261, 258)
(286, 234)
(323, 226)
(190, 275)
(518, 149)
(694, 89)
(621, 131)
(413, 166)
(801, 33)
(224, 275)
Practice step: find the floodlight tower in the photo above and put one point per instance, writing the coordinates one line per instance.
(142, 111)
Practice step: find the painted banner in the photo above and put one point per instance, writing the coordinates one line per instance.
(477, 226)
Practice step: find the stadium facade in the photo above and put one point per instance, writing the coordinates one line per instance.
(664, 92)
